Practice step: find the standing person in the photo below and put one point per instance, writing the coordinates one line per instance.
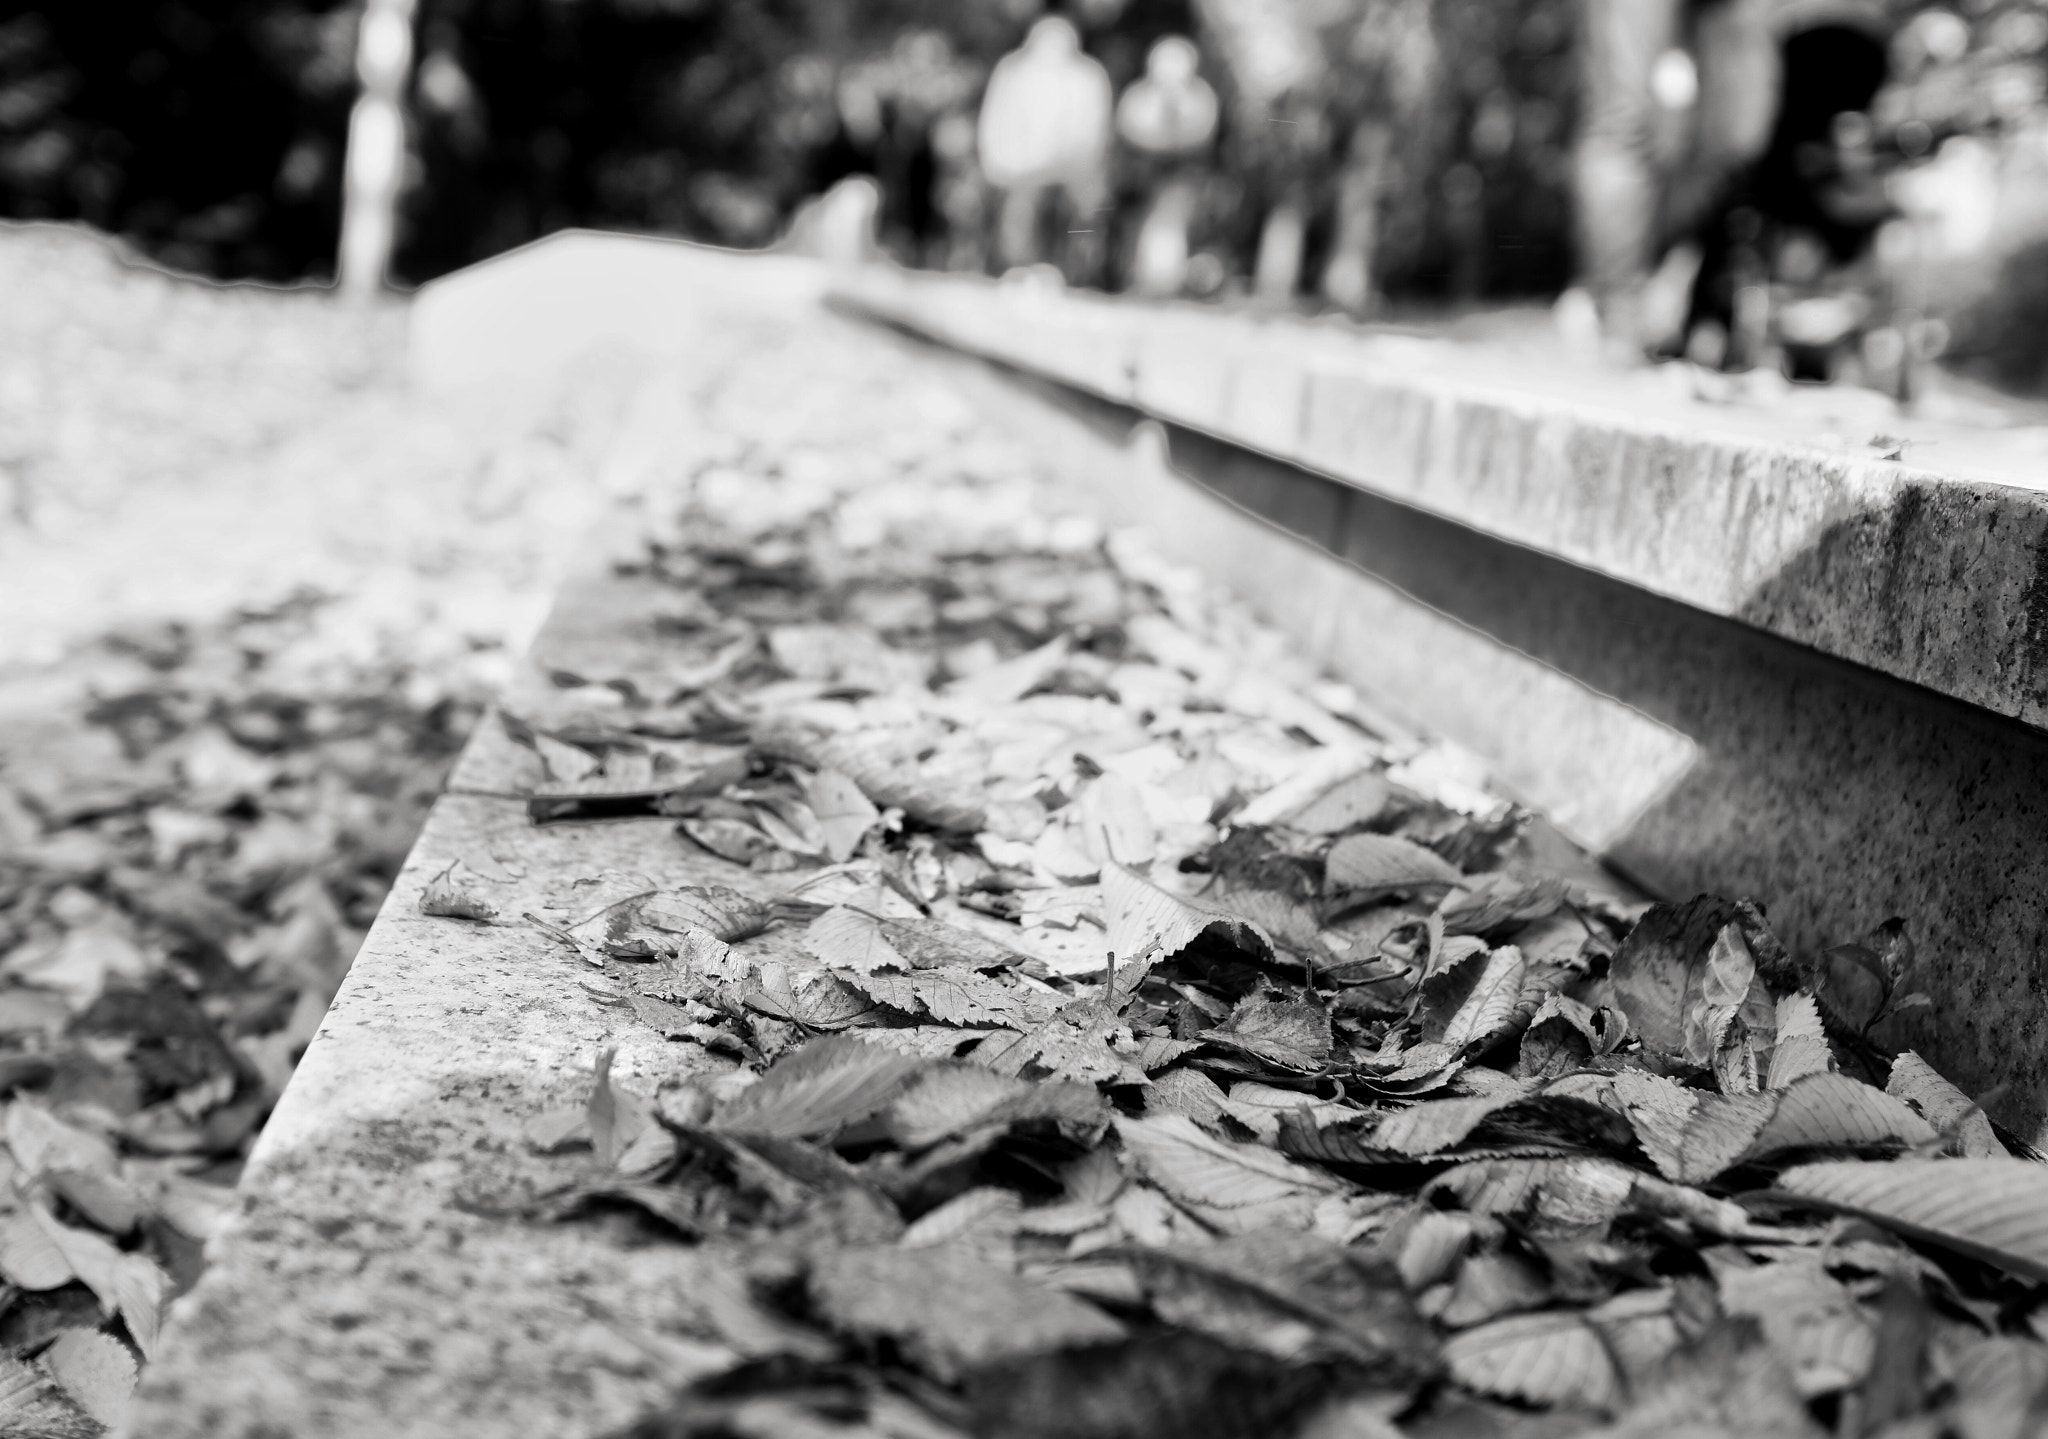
(1168, 119)
(1683, 104)
(1044, 141)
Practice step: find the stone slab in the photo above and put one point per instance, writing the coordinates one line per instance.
(1776, 510)
(527, 318)
(370, 1283)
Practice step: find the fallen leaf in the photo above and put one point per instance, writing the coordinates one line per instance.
(824, 1086)
(1146, 924)
(844, 814)
(848, 939)
(1293, 1296)
(950, 1312)
(29, 1258)
(129, 1284)
(1236, 1186)
(1346, 805)
(1488, 1011)
(1541, 1359)
(96, 1370)
(1945, 1107)
(445, 898)
(1381, 863)
(1292, 1034)
(1801, 1046)
(1995, 1210)
(1833, 1111)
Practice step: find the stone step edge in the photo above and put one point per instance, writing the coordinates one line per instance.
(1936, 577)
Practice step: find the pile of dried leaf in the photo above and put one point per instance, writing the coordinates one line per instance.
(1130, 1036)
(196, 827)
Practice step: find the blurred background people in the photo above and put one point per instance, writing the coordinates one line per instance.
(1044, 143)
(1167, 119)
(1838, 187)
(1739, 131)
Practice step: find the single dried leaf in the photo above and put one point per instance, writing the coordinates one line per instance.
(443, 898)
(845, 938)
(1064, 1047)
(1292, 1034)
(1291, 1295)
(1116, 828)
(950, 1312)
(29, 1258)
(1945, 1107)
(728, 838)
(1484, 903)
(845, 815)
(1489, 1010)
(1541, 1359)
(1187, 1092)
(948, 1099)
(1146, 924)
(1833, 1111)
(956, 996)
(1216, 1174)
(1489, 1285)
(1345, 805)
(974, 1218)
(1436, 1125)
(1995, 1210)
(106, 1199)
(1998, 1383)
(96, 1370)
(934, 944)
(1660, 1109)
(1375, 863)
(725, 914)
(1802, 1044)
(821, 1088)
(42, 1141)
(1563, 1035)
(130, 1284)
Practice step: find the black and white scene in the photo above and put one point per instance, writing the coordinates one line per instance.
(1024, 719)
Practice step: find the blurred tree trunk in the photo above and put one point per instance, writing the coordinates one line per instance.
(375, 168)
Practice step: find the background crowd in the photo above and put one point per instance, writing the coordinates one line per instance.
(1832, 185)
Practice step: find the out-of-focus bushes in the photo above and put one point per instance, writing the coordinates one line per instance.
(208, 131)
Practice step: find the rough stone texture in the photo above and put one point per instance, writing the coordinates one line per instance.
(1776, 512)
(369, 1284)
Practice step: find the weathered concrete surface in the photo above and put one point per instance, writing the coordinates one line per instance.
(370, 1284)
(1777, 512)
(527, 317)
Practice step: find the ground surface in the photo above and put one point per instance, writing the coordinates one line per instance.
(254, 593)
